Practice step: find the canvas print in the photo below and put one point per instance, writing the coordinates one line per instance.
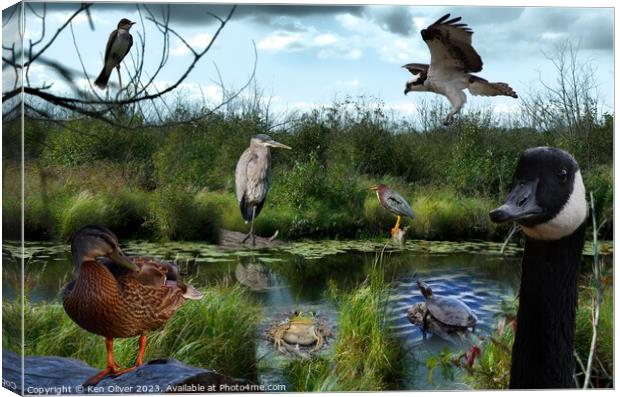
(203, 197)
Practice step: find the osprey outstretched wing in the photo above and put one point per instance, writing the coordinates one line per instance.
(453, 58)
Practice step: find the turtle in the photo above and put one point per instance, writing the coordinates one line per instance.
(451, 312)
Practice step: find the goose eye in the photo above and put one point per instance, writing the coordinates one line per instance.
(563, 175)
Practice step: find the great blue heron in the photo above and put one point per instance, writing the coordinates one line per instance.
(252, 178)
(393, 202)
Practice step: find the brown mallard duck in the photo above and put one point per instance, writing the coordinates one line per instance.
(118, 296)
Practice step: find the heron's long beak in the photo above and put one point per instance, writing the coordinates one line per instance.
(519, 205)
(374, 188)
(121, 259)
(273, 143)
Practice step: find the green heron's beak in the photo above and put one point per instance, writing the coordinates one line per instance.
(374, 188)
(122, 260)
(273, 143)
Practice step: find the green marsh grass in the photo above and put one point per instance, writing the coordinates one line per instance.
(217, 332)
(367, 355)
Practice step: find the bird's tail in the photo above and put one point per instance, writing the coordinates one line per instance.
(104, 76)
(505, 89)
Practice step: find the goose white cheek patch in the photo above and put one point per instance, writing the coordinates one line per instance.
(570, 217)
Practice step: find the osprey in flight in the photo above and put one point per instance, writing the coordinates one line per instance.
(453, 59)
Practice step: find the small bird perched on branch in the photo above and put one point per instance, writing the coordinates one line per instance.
(119, 44)
(453, 59)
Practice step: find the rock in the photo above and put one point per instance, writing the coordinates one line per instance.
(233, 240)
(60, 375)
(398, 236)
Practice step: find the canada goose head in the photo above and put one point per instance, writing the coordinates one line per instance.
(94, 241)
(548, 197)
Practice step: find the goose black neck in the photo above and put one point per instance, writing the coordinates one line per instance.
(542, 354)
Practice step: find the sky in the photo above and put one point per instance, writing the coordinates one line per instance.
(310, 56)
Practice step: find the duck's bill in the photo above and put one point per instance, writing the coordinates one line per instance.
(520, 204)
(277, 144)
(123, 260)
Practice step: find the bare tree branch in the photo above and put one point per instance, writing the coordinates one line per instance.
(131, 98)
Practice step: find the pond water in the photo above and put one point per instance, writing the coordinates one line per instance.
(296, 277)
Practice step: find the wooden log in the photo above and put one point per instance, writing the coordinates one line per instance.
(230, 239)
(60, 375)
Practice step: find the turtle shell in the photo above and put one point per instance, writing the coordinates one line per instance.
(451, 311)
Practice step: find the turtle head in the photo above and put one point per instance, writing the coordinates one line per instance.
(424, 289)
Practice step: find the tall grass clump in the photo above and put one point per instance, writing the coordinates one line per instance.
(367, 355)
(602, 372)
(48, 331)
(83, 209)
(217, 332)
(177, 213)
(447, 215)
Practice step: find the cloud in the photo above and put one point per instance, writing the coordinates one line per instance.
(340, 53)
(198, 42)
(394, 19)
(391, 47)
(193, 92)
(348, 83)
(326, 44)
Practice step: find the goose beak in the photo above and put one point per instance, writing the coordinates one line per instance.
(520, 204)
(121, 259)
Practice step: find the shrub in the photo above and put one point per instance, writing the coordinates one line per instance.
(177, 213)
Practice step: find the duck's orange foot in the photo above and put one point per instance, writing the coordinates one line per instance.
(93, 380)
(123, 371)
(109, 371)
(394, 231)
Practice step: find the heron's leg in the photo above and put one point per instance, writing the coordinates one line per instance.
(251, 233)
(252, 226)
(397, 226)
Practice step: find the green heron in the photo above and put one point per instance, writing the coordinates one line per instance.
(252, 178)
(393, 202)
